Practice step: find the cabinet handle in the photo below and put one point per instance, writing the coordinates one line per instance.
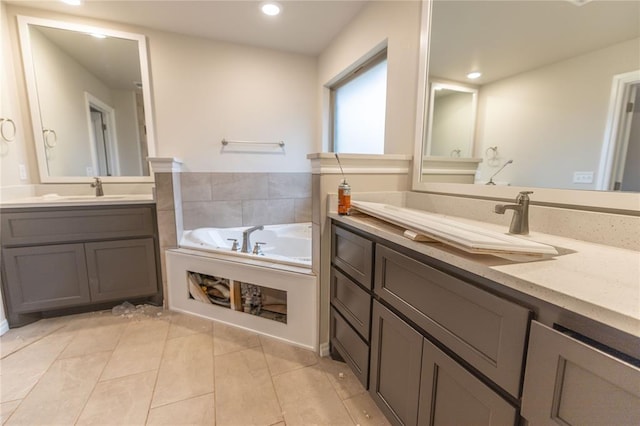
(8, 136)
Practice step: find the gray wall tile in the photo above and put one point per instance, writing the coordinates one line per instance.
(167, 228)
(164, 191)
(267, 212)
(239, 186)
(302, 209)
(289, 185)
(195, 186)
(217, 214)
(316, 204)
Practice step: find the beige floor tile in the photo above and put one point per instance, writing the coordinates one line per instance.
(98, 338)
(282, 357)
(123, 401)
(185, 325)
(132, 358)
(227, 339)
(307, 397)
(244, 390)
(18, 338)
(60, 395)
(342, 378)
(7, 408)
(20, 371)
(364, 411)
(186, 369)
(195, 411)
(145, 330)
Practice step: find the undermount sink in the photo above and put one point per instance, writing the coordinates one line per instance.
(88, 197)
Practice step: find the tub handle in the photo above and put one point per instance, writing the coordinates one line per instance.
(234, 246)
(257, 249)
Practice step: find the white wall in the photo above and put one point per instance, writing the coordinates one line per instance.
(124, 103)
(206, 90)
(551, 120)
(398, 22)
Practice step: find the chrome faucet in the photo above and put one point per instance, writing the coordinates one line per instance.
(520, 220)
(246, 235)
(98, 186)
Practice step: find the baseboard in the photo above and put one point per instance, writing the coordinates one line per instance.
(4, 327)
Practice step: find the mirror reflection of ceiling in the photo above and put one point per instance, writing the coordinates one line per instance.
(115, 61)
(309, 28)
(504, 38)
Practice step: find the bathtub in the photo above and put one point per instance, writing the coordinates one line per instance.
(285, 267)
(288, 244)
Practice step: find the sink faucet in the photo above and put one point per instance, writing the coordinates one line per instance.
(520, 220)
(98, 186)
(246, 235)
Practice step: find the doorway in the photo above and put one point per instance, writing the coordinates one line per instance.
(102, 138)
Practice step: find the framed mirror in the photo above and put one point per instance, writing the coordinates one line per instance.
(551, 105)
(90, 101)
(452, 118)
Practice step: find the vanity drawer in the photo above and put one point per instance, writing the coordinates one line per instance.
(22, 228)
(353, 254)
(350, 346)
(485, 330)
(352, 302)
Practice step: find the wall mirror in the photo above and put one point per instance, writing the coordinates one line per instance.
(556, 77)
(89, 99)
(451, 122)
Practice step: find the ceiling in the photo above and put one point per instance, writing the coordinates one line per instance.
(304, 26)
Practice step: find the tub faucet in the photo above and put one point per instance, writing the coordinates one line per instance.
(97, 184)
(246, 235)
(520, 220)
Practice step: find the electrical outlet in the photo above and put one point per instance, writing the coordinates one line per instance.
(89, 170)
(582, 177)
(22, 171)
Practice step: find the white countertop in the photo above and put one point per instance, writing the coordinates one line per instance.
(596, 281)
(77, 200)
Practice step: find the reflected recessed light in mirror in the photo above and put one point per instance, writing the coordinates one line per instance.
(270, 8)
(72, 2)
(97, 35)
(474, 75)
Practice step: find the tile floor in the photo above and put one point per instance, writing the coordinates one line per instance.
(161, 367)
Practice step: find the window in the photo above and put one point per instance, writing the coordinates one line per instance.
(358, 105)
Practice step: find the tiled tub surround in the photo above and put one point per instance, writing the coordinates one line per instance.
(224, 200)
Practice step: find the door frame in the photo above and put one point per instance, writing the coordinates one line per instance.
(111, 137)
(614, 147)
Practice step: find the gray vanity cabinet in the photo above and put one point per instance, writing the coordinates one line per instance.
(568, 382)
(415, 383)
(58, 258)
(121, 269)
(46, 277)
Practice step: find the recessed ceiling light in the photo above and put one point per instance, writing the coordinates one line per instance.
(474, 75)
(98, 35)
(72, 2)
(270, 8)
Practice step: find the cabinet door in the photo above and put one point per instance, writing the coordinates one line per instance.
(570, 383)
(45, 278)
(121, 269)
(396, 357)
(450, 395)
